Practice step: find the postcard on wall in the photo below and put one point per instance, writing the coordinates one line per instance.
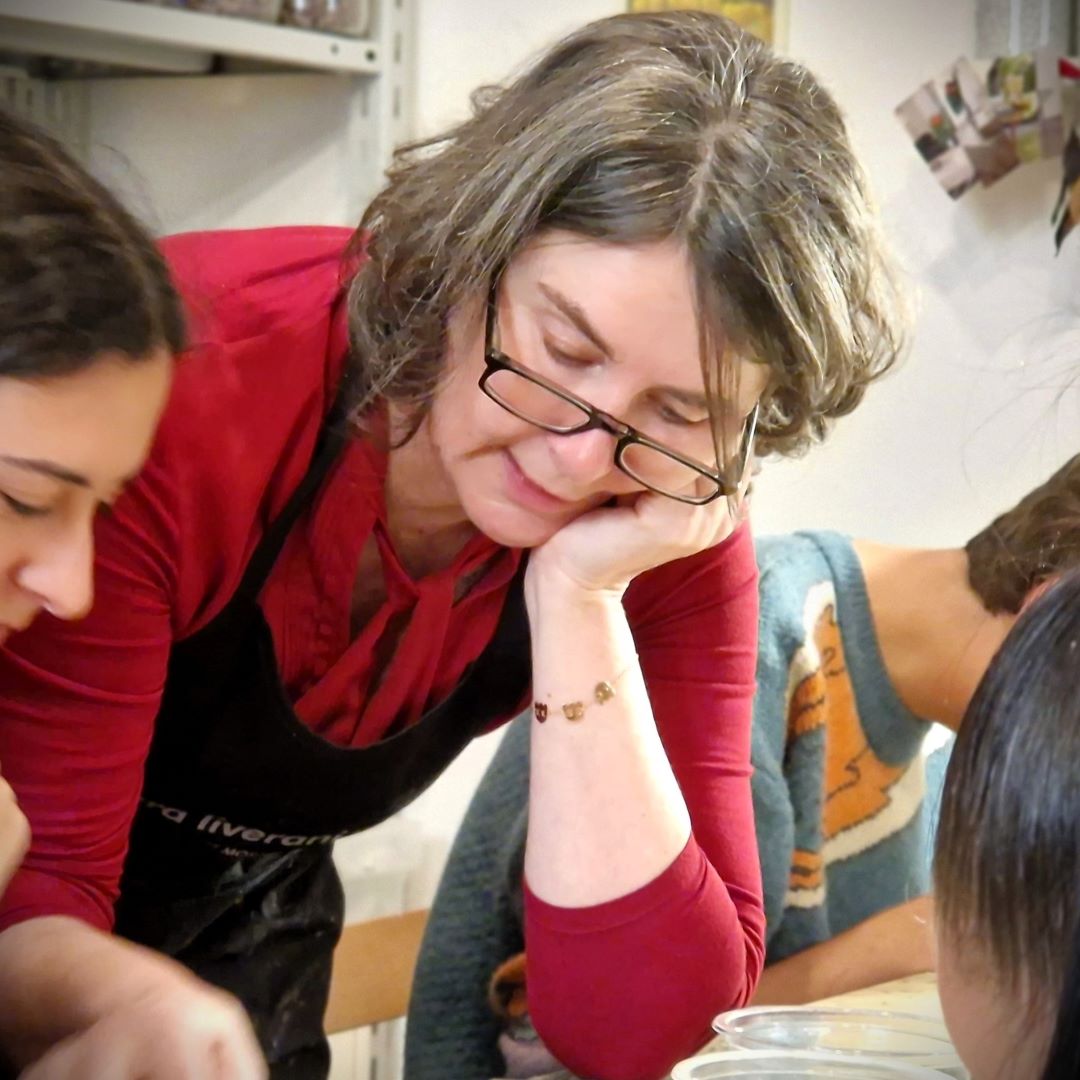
(1025, 95)
(766, 19)
(984, 138)
(929, 124)
(970, 128)
(1067, 209)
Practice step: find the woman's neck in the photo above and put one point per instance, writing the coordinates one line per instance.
(935, 636)
(426, 521)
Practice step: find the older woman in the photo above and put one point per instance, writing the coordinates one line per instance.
(492, 451)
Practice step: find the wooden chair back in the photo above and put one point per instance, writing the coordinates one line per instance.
(373, 971)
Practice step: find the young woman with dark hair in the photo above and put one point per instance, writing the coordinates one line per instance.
(492, 450)
(88, 324)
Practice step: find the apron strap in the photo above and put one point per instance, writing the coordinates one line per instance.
(332, 439)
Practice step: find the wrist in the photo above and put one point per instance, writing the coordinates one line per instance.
(550, 587)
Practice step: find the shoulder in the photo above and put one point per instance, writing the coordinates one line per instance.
(268, 345)
(226, 277)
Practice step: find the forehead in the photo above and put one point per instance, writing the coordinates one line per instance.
(95, 422)
(640, 297)
(657, 274)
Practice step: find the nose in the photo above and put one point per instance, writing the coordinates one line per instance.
(60, 574)
(587, 457)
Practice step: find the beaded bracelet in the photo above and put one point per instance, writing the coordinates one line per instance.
(602, 693)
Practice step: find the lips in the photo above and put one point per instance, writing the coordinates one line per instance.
(530, 494)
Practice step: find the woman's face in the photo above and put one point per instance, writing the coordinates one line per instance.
(612, 323)
(68, 445)
(998, 1034)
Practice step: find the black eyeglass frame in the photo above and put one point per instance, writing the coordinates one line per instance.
(495, 360)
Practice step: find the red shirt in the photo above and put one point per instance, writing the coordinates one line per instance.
(79, 700)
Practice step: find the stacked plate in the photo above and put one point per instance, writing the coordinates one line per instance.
(795, 1065)
(796, 1042)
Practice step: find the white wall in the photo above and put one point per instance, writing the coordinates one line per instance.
(971, 420)
(233, 151)
(463, 44)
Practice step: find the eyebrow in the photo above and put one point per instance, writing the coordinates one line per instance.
(47, 468)
(577, 316)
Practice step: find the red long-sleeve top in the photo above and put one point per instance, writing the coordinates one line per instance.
(619, 989)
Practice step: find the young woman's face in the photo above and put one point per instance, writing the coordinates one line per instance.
(998, 1035)
(615, 325)
(68, 445)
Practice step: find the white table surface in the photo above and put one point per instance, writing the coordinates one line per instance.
(916, 994)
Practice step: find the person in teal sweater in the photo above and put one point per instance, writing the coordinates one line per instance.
(862, 647)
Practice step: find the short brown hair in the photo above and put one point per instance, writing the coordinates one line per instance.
(1035, 540)
(642, 128)
(78, 275)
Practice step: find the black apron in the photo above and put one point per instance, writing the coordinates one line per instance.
(229, 868)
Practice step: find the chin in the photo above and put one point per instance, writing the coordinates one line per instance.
(511, 526)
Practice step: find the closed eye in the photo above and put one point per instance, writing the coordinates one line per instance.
(24, 509)
(673, 416)
(567, 359)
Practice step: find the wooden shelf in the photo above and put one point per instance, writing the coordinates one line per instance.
(148, 38)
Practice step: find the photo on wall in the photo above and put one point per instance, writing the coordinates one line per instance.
(929, 124)
(988, 142)
(766, 19)
(974, 128)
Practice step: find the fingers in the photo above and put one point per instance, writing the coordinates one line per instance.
(82, 1057)
(203, 1036)
(240, 1057)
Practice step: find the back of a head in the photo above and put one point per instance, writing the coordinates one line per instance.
(79, 277)
(634, 129)
(1007, 864)
(1028, 544)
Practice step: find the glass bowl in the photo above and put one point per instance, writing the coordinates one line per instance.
(795, 1065)
(917, 1040)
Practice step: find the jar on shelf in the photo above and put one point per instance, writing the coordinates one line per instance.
(351, 17)
(260, 10)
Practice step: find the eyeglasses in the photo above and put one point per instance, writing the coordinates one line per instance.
(539, 401)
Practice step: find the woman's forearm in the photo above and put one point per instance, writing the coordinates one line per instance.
(606, 813)
(889, 945)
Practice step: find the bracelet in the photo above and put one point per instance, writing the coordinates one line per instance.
(602, 693)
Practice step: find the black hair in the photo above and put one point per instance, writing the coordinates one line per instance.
(1007, 864)
(79, 277)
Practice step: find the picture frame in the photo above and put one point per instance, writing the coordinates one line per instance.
(767, 19)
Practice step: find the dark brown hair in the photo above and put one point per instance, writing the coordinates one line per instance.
(1007, 864)
(1038, 538)
(79, 277)
(642, 128)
